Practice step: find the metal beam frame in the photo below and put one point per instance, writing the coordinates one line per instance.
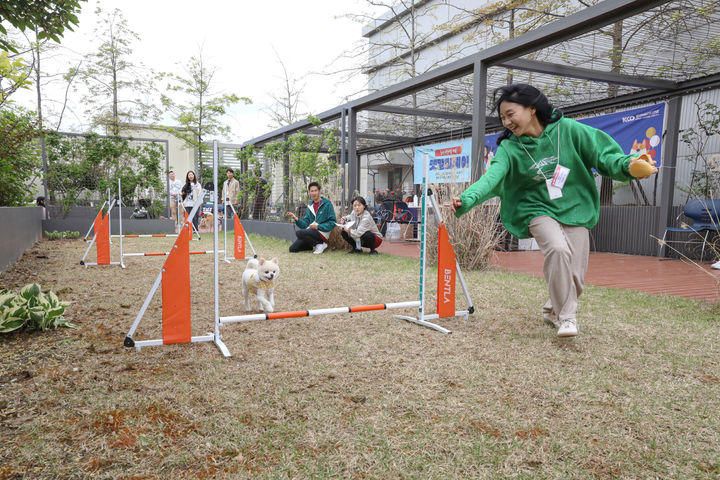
(587, 74)
(588, 19)
(418, 112)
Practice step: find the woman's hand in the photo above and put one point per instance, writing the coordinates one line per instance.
(456, 203)
(347, 230)
(292, 215)
(641, 171)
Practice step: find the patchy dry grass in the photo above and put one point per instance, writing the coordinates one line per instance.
(636, 395)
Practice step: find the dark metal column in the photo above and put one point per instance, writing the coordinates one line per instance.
(343, 157)
(353, 159)
(478, 122)
(669, 160)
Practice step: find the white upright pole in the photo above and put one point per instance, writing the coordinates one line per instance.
(122, 262)
(225, 215)
(422, 318)
(218, 340)
(109, 217)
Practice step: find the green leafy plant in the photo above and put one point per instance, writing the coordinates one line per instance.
(55, 235)
(31, 308)
(19, 160)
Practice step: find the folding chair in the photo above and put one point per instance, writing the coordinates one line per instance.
(704, 214)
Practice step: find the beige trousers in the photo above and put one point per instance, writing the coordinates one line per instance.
(565, 250)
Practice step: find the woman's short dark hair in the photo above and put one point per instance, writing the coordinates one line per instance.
(40, 200)
(314, 184)
(527, 96)
(361, 200)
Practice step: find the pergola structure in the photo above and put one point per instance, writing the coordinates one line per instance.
(663, 50)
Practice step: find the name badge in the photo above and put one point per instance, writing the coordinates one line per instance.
(553, 191)
(561, 174)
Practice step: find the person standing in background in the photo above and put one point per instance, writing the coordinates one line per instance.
(174, 189)
(230, 192)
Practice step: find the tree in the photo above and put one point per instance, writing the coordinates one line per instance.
(19, 164)
(200, 113)
(254, 188)
(705, 175)
(284, 112)
(84, 167)
(50, 17)
(305, 160)
(114, 83)
(14, 75)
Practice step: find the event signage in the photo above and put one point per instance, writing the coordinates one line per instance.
(637, 131)
(449, 161)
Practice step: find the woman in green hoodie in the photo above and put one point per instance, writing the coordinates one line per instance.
(543, 174)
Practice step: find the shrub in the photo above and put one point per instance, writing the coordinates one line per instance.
(474, 236)
(55, 235)
(31, 308)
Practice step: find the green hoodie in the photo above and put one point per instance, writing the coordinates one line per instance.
(519, 182)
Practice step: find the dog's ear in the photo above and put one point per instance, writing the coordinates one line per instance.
(274, 260)
(262, 260)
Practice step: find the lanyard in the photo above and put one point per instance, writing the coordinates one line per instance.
(557, 160)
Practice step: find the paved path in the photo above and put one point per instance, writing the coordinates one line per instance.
(628, 272)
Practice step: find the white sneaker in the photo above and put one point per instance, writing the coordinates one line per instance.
(319, 248)
(716, 265)
(568, 328)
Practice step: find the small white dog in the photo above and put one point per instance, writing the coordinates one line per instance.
(259, 277)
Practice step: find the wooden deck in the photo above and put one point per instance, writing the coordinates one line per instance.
(628, 272)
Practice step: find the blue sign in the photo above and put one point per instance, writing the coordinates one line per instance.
(449, 161)
(638, 131)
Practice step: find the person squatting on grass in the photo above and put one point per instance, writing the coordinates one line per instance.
(542, 172)
(317, 224)
(363, 231)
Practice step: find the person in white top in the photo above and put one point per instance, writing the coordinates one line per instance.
(359, 228)
(190, 194)
(174, 187)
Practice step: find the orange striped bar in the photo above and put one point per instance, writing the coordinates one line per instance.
(146, 235)
(322, 311)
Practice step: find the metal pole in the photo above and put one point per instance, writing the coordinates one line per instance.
(122, 263)
(478, 122)
(109, 217)
(93, 223)
(216, 318)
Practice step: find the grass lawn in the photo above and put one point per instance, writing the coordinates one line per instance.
(365, 395)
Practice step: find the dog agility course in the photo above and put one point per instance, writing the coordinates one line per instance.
(174, 280)
(102, 237)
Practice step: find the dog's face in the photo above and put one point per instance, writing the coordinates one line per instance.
(268, 270)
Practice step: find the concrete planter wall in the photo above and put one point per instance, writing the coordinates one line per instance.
(79, 219)
(22, 227)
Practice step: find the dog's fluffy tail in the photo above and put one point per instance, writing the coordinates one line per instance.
(252, 264)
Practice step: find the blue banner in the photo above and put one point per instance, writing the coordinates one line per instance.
(638, 131)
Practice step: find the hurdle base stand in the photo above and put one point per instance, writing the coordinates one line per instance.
(422, 320)
(210, 337)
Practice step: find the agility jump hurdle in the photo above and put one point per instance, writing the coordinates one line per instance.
(102, 237)
(176, 305)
